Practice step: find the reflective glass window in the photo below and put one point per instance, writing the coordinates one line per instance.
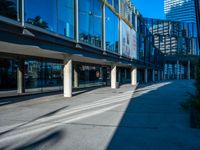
(125, 10)
(42, 75)
(90, 22)
(112, 34)
(8, 75)
(8, 8)
(66, 18)
(41, 13)
(114, 4)
(128, 41)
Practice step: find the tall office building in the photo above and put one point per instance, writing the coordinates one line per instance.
(180, 10)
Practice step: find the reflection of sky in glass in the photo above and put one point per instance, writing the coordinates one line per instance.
(90, 17)
(111, 30)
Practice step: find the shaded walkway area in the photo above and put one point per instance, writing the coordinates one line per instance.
(155, 121)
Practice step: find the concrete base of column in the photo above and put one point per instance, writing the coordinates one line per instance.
(133, 76)
(20, 78)
(153, 75)
(113, 76)
(178, 71)
(67, 75)
(76, 78)
(159, 75)
(145, 75)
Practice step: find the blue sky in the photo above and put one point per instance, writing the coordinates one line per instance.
(150, 8)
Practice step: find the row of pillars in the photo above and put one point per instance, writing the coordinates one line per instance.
(160, 75)
(67, 77)
(179, 70)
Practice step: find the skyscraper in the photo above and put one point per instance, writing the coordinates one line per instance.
(180, 10)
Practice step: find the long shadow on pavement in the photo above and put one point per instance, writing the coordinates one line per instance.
(35, 97)
(154, 121)
(43, 116)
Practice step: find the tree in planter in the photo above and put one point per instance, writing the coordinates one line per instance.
(193, 103)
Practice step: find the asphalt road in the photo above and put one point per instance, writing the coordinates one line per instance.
(148, 118)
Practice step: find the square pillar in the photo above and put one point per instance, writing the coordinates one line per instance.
(125, 74)
(188, 70)
(20, 77)
(159, 75)
(145, 75)
(133, 76)
(178, 71)
(113, 76)
(168, 75)
(67, 75)
(76, 78)
(153, 75)
(173, 71)
(119, 75)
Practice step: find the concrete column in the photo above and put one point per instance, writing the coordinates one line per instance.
(168, 71)
(125, 74)
(119, 75)
(163, 75)
(133, 76)
(113, 76)
(20, 78)
(188, 70)
(178, 71)
(76, 78)
(153, 75)
(67, 75)
(146, 75)
(173, 71)
(159, 75)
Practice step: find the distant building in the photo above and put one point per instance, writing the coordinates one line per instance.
(180, 10)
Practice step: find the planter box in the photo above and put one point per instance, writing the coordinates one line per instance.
(194, 118)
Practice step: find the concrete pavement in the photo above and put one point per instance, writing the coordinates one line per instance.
(149, 118)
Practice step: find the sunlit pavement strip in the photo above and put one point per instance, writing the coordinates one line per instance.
(71, 115)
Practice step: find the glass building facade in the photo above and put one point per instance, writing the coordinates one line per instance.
(121, 35)
(113, 26)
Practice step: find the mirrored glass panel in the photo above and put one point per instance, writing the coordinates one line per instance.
(41, 13)
(112, 34)
(90, 22)
(114, 4)
(66, 18)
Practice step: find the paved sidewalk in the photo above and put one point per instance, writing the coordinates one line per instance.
(149, 118)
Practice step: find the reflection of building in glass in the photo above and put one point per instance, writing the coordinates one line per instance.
(173, 37)
(180, 10)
